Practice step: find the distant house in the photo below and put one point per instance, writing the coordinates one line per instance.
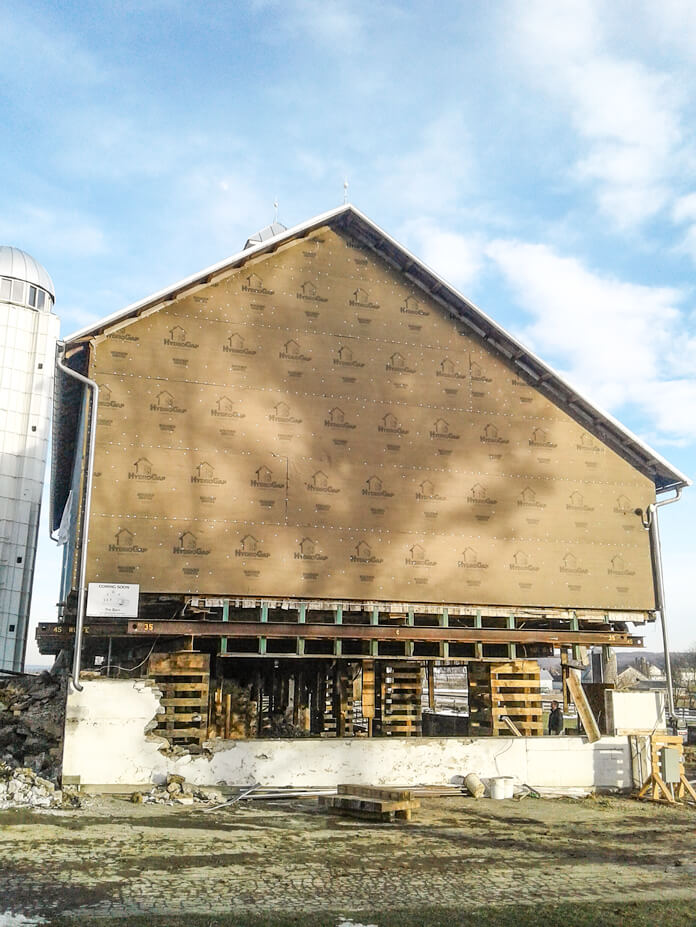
(655, 673)
(632, 678)
(649, 670)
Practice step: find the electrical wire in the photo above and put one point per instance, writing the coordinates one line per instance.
(500, 753)
(132, 669)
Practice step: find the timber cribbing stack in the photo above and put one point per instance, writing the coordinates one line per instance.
(399, 707)
(184, 680)
(338, 713)
(505, 689)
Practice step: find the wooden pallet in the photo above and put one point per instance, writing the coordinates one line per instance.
(371, 803)
(184, 679)
(505, 690)
(398, 702)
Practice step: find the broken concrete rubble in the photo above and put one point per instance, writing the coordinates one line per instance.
(177, 791)
(32, 720)
(21, 787)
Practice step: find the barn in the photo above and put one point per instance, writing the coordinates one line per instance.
(316, 472)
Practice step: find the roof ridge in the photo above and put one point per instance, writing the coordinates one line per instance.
(542, 377)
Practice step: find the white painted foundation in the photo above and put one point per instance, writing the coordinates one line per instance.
(106, 747)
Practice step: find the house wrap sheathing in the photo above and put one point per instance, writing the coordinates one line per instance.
(313, 423)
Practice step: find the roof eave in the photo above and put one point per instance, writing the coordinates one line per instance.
(171, 292)
(545, 378)
(595, 415)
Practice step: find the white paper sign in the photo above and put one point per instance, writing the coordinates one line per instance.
(112, 600)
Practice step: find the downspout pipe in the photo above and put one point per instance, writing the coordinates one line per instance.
(650, 523)
(84, 523)
(60, 346)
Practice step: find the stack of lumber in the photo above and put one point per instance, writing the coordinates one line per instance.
(371, 802)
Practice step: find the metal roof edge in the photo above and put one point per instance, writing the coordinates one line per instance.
(587, 410)
(603, 416)
(227, 264)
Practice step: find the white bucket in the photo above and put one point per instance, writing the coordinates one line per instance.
(509, 783)
(497, 787)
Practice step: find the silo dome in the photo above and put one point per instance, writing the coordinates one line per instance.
(24, 281)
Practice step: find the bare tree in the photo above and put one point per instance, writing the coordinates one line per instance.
(684, 678)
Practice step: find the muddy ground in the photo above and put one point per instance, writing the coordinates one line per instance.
(572, 862)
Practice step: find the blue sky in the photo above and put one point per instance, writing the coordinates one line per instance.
(540, 155)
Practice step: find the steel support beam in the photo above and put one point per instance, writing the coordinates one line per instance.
(56, 636)
(272, 629)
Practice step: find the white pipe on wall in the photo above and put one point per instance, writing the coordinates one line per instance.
(84, 526)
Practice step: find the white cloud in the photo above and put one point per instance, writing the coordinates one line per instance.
(684, 209)
(629, 116)
(433, 174)
(626, 116)
(671, 24)
(39, 53)
(671, 406)
(621, 343)
(98, 142)
(312, 163)
(74, 318)
(330, 23)
(224, 207)
(684, 213)
(456, 257)
(62, 232)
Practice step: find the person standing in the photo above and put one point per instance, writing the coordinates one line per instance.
(556, 720)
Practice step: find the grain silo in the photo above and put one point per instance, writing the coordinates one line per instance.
(28, 332)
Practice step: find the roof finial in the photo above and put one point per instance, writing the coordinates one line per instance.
(345, 191)
(275, 209)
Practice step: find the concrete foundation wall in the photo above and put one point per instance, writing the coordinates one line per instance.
(106, 745)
